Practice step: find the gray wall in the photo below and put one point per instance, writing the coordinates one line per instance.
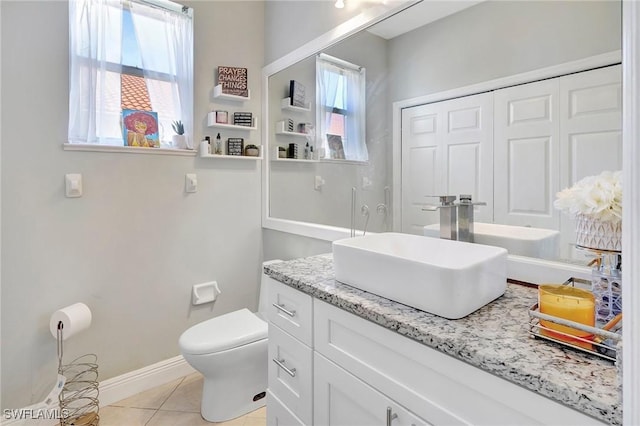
(500, 38)
(135, 243)
(306, 19)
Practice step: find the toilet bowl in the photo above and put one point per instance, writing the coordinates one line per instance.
(230, 351)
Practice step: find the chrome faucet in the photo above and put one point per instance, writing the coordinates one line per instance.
(448, 216)
(465, 217)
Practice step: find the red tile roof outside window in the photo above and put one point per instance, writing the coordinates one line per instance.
(134, 93)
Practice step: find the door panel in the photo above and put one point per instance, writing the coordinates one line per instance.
(446, 149)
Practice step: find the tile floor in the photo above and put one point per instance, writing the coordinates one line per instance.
(174, 404)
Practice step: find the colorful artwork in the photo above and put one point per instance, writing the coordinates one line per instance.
(140, 128)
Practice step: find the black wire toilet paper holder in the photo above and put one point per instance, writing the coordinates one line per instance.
(78, 398)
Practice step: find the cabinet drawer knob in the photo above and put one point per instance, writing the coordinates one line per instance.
(390, 416)
(285, 310)
(280, 363)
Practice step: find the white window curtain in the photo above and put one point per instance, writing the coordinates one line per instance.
(342, 85)
(95, 38)
(163, 37)
(95, 67)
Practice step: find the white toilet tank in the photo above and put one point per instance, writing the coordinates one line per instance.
(263, 301)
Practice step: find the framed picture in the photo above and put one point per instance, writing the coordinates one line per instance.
(296, 93)
(222, 117)
(235, 146)
(140, 128)
(336, 150)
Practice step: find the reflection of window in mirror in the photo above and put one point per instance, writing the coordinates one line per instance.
(340, 100)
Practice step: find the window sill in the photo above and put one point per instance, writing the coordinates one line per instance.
(128, 149)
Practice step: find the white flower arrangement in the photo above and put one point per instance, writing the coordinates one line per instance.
(599, 197)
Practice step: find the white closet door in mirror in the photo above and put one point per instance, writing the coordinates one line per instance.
(527, 147)
(590, 133)
(446, 149)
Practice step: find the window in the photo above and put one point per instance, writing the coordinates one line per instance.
(136, 55)
(340, 108)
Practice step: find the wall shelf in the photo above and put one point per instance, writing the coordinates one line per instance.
(286, 105)
(295, 160)
(230, 157)
(211, 122)
(296, 134)
(280, 131)
(217, 93)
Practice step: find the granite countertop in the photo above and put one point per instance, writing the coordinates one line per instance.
(494, 338)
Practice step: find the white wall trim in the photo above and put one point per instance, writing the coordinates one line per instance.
(631, 212)
(133, 382)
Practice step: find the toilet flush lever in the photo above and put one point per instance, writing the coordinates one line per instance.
(285, 310)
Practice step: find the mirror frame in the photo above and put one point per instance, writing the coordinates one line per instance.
(631, 189)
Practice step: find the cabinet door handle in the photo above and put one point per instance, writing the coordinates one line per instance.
(286, 311)
(280, 363)
(390, 416)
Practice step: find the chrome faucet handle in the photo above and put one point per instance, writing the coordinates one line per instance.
(445, 200)
(465, 199)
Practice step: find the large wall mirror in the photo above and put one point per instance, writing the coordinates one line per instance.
(445, 66)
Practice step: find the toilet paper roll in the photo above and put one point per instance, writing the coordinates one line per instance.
(75, 318)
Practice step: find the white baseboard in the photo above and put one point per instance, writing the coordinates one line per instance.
(126, 385)
(129, 384)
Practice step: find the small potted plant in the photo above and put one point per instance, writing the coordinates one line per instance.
(251, 151)
(179, 139)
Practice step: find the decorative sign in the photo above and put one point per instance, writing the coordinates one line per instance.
(233, 81)
(235, 146)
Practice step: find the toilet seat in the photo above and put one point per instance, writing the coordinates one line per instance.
(225, 332)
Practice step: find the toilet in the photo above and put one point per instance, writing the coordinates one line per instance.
(230, 351)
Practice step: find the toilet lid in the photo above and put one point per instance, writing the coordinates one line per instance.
(224, 332)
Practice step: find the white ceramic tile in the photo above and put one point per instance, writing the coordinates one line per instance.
(187, 396)
(255, 421)
(120, 416)
(153, 398)
(259, 413)
(177, 418)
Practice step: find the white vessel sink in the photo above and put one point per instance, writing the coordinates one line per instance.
(519, 240)
(446, 278)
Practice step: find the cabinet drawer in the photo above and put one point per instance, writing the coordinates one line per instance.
(278, 414)
(290, 372)
(291, 310)
(434, 386)
(341, 399)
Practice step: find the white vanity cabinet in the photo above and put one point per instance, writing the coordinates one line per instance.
(290, 366)
(355, 372)
(342, 399)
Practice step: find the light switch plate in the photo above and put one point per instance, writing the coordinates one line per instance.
(73, 185)
(191, 182)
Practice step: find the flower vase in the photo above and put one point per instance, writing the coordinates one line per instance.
(597, 234)
(179, 141)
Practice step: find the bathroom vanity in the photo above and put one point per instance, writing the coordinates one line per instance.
(338, 355)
